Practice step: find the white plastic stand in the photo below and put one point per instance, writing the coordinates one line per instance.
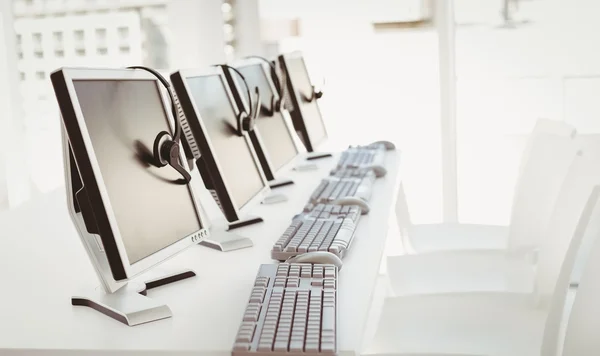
(226, 241)
(221, 238)
(129, 304)
(304, 167)
(274, 198)
(122, 300)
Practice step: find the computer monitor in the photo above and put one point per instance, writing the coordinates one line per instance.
(273, 137)
(302, 101)
(130, 213)
(229, 166)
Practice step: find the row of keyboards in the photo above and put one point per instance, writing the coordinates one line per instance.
(293, 305)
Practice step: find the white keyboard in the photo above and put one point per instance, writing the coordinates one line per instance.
(292, 311)
(328, 228)
(360, 157)
(331, 189)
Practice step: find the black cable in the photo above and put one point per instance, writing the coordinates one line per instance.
(250, 101)
(281, 81)
(165, 152)
(165, 83)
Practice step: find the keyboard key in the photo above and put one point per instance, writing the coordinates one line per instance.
(329, 272)
(296, 346)
(241, 346)
(317, 271)
(329, 284)
(327, 346)
(279, 282)
(293, 283)
(280, 346)
(328, 319)
(262, 282)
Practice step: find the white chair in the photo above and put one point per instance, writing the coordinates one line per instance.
(582, 324)
(491, 324)
(548, 154)
(498, 270)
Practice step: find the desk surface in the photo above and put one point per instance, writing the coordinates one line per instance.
(44, 264)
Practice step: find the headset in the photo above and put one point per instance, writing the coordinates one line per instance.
(166, 147)
(246, 120)
(277, 104)
(314, 95)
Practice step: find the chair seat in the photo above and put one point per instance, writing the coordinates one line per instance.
(460, 271)
(478, 324)
(443, 237)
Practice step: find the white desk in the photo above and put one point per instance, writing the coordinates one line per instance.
(43, 264)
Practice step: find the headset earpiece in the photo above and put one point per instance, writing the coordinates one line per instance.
(245, 119)
(275, 105)
(243, 122)
(159, 141)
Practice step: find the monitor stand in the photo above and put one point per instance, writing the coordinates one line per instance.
(129, 304)
(274, 198)
(220, 237)
(306, 167)
(280, 182)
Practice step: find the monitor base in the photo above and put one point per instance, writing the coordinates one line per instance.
(317, 155)
(281, 182)
(221, 239)
(129, 304)
(274, 198)
(226, 241)
(305, 167)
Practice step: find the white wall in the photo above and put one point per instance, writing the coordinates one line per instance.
(247, 28)
(196, 38)
(378, 86)
(15, 186)
(43, 145)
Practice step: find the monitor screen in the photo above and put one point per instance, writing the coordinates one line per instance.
(310, 111)
(233, 153)
(123, 118)
(273, 130)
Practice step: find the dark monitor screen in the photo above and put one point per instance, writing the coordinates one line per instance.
(123, 118)
(273, 130)
(233, 153)
(303, 87)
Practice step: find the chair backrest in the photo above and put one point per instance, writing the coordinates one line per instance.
(550, 148)
(582, 177)
(587, 228)
(583, 320)
(401, 208)
(550, 157)
(542, 127)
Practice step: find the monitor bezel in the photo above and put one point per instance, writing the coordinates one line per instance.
(284, 115)
(186, 98)
(87, 163)
(297, 114)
